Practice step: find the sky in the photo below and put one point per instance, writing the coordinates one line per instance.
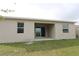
(43, 9)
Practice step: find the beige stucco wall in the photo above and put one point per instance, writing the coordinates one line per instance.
(8, 31)
(59, 33)
(51, 31)
(56, 30)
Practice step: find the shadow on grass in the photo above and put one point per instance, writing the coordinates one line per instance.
(44, 45)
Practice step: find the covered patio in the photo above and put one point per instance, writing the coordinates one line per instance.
(44, 30)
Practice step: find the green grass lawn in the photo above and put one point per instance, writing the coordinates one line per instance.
(47, 48)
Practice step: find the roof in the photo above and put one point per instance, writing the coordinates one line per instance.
(36, 19)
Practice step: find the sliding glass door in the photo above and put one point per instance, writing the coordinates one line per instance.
(40, 31)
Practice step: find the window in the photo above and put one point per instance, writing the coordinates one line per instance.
(65, 28)
(20, 27)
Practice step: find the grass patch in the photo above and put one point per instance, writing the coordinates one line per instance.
(52, 47)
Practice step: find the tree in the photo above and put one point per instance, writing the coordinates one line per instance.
(1, 18)
(7, 10)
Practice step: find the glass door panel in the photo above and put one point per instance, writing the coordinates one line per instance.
(38, 32)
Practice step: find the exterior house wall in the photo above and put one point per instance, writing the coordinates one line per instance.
(59, 31)
(51, 31)
(8, 31)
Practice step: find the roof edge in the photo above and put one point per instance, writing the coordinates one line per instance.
(36, 19)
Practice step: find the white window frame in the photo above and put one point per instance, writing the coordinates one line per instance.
(65, 27)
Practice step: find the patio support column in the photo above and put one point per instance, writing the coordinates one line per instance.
(46, 31)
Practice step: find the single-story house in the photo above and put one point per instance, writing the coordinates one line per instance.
(18, 29)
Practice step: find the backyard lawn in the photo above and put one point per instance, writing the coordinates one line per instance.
(42, 48)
